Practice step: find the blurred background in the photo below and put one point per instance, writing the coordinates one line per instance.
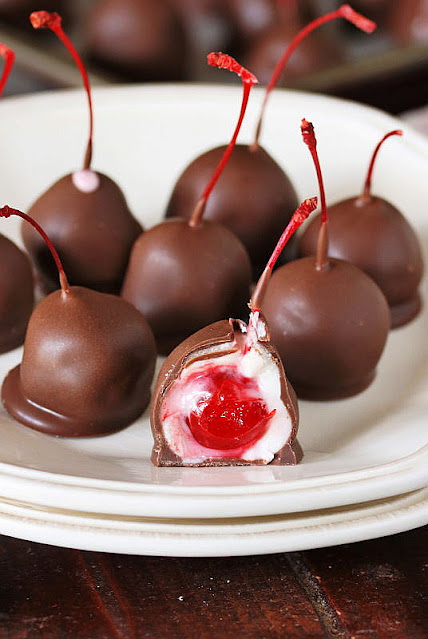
(167, 40)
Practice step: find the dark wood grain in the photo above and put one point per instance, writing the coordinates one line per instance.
(380, 588)
(371, 589)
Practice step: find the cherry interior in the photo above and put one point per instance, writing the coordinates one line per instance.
(231, 414)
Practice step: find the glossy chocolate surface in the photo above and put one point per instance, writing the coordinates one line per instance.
(183, 278)
(142, 38)
(253, 198)
(215, 338)
(376, 237)
(92, 232)
(87, 367)
(329, 326)
(16, 294)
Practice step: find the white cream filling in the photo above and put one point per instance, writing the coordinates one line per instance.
(182, 399)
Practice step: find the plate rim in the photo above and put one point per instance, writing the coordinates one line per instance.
(242, 537)
(245, 502)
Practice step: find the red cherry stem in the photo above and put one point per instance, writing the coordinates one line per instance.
(309, 138)
(9, 57)
(53, 21)
(344, 11)
(7, 211)
(299, 216)
(368, 183)
(223, 61)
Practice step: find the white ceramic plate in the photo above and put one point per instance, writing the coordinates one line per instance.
(215, 537)
(370, 447)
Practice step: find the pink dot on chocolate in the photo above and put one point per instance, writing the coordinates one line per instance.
(86, 181)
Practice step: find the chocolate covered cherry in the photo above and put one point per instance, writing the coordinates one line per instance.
(85, 213)
(142, 38)
(16, 277)
(254, 197)
(183, 275)
(88, 362)
(371, 233)
(249, 18)
(328, 319)
(16, 294)
(222, 397)
(314, 54)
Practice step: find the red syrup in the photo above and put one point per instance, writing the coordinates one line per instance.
(231, 415)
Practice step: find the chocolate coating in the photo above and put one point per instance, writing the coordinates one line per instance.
(21, 8)
(142, 38)
(183, 278)
(92, 232)
(253, 198)
(87, 367)
(376, 237)
(11, 6)
(329, 326)
(407, 22)
(195, 348)
(250, 17)
(16, 294)
(188, 9)
(313, 54)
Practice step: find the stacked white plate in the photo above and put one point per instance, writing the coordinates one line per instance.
(365, 469)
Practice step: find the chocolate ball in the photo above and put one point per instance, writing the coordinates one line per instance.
(253, 198)
(10, 6)
(189, 9)
(16, 12)
(23, 7)
(87, 367)
(142, 38)
(329, 326)
(372, 234)
(220, 347)
(248, 18)
(182, 278)
(16, 294)
(313, 54)
(93, 233)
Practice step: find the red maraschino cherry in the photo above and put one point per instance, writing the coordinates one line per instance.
(254, 197)
(327, 318)
(371, 233)
(85, 212)
(186, 273)
(222, 397)
(88, 360)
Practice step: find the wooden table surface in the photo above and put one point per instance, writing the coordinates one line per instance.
(370, 589)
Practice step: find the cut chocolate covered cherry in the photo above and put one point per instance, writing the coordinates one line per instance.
(371, 233)
(88, 362)
(222, 397)
(85, 213)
